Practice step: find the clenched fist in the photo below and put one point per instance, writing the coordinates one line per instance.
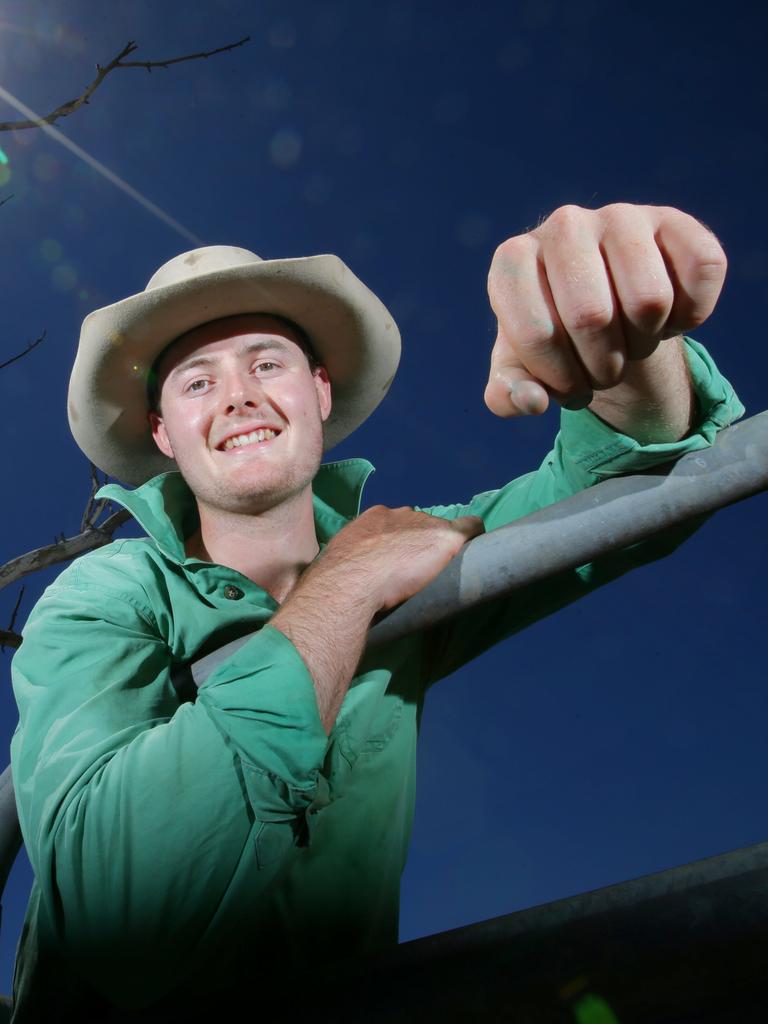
(587, 292)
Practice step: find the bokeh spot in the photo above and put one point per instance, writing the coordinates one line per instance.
(285, 148)
(45, 167)
(64, 277)
(51, 250)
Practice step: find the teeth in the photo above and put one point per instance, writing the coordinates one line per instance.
(243, 439)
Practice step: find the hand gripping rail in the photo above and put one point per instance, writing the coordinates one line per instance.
(607, 517)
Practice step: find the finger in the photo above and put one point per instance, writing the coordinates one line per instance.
(532, 355)
(583, 295)
(511, 390)
(642, 287)
(696, 265)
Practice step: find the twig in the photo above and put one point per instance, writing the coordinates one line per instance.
(27, 350)
(16, 609)
(7, 636)
(93, 511)
(101, 73)
(7, 199)
(149, 64)
(9, 639)
(63, 550)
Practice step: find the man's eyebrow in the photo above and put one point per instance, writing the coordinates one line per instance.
(271, 344)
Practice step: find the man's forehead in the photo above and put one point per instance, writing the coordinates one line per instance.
(243, 333)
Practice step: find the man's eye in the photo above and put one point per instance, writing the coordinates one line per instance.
(197, 385)
(266, 365)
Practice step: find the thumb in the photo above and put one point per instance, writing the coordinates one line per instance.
(511, 390)
(470, 526)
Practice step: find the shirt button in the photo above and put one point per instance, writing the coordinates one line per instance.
(232, 593)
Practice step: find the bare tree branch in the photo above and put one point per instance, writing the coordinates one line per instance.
(9, 639)
(16, 609)
(91, 535)
(101, 73)
(149, 64)
(26, 351)
(93, 510)
(63, 550)
(8, 636)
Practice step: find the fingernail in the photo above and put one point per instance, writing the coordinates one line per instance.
(518, 395)
(579, 403)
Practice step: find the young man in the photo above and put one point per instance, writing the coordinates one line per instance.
(187, 851)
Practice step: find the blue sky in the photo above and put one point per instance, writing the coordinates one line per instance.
(622, 736)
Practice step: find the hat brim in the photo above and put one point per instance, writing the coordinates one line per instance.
(351, 332)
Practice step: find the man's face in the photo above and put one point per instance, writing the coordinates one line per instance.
(241, 413)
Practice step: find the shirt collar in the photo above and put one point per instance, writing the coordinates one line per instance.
(165, 507)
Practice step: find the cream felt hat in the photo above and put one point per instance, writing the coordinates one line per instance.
(352, 334)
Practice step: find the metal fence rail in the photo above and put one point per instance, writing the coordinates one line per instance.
(605, 518)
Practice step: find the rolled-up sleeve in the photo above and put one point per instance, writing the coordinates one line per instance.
(586, 451)
(142, 817)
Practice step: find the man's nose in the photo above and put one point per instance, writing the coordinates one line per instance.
(242, 392)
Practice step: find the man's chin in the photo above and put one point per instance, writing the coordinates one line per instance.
(251, 501)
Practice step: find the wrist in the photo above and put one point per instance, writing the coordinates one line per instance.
(654, 403)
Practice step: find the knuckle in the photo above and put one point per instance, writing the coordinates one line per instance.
(607, 371)
(694, 316)
(617, 212)
(533, 346)
(648, 307)
(589, 317)
(710, 263)
(565, 217)
(508, 264)
(532, 338)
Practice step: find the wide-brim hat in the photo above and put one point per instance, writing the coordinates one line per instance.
(350, 330)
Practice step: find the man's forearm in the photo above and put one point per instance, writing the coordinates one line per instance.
(327, 621)
(377, 561)
(654, 402)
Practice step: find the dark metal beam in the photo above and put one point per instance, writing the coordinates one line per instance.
(683, 946)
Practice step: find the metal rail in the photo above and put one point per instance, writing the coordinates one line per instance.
(605, 518)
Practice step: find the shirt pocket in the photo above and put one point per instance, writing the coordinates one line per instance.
(385, 724)
(369, 718)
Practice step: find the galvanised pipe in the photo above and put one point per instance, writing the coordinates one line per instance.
(607, 517)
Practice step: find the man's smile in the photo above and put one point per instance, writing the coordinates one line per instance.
(259, 435)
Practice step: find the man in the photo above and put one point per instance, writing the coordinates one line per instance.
(184, 851)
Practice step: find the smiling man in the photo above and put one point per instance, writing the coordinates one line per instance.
(264, 448)
(189, 851)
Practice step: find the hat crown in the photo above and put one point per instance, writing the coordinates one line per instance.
(205, 260)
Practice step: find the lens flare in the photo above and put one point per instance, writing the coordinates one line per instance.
(101, 169)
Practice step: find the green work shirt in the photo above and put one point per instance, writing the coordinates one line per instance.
(178, 847)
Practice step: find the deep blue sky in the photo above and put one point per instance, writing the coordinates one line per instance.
(624, 735)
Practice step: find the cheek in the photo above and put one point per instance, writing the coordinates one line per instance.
(300, 405)
(188, 427)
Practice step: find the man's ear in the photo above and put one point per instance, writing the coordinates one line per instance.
(323, 387)
(160, 434)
